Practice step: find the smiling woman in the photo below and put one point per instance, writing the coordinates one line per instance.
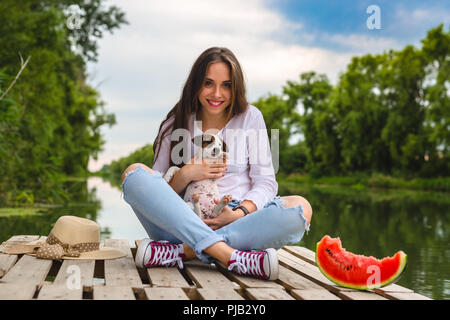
(256, 219)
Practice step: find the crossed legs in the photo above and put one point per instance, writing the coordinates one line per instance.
(221, 250)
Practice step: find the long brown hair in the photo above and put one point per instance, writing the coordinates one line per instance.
(189, 103)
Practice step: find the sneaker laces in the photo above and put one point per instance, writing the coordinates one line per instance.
(249, 262)
(166, 254)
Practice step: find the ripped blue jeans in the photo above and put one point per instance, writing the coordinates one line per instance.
(165, 216)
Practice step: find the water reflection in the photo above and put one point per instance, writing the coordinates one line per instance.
(377, 223)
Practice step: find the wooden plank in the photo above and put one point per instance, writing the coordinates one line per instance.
(405, 296)
(29, 270)
(167, 277)
(206, 275)
(291, 280)
(392, 288)
(121, 271)
(102, 292)
(59, 292)
(313, 294)
(308, 271)
(23, 238)
(6, 262)
(360, 295)
(19, 239)
(248, 281)
(302, 253)
(219, 294)
(70, 269)
(165, 294)
(17, 291)
(268, 294)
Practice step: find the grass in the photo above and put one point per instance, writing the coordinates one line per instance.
(361, 182)
(9, 212)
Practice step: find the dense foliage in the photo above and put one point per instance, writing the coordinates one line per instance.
(51, 118)
(389, 113)
(115, 168)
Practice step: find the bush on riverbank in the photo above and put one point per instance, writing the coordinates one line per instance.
(360, 181)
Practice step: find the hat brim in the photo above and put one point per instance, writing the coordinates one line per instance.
(104, 253)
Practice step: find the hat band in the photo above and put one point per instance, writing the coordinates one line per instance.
(56, 249)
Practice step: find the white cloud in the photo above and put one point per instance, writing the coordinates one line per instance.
(362, 43)
(145, 63)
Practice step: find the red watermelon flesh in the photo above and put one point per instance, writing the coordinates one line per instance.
(357, 271)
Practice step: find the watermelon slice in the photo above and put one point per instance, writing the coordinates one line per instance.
(357, 271)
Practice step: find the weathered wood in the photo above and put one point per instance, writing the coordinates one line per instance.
(291, 280)
(6, 263)
(219, 294)
(405, 296)
(206, 275)
(268, 294)
(17, 291)
(28, 270)
(299, 278)
(313, 294)
(70, 269)
(15, 240)
(59, 292)
(247, 281)
(392, 288)
(302, 253)
(121, 271)
(23, 238)
(166, 277)
(360, 295)
(165, 294)
(102, 292)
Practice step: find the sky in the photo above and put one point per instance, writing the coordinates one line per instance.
(142, 67)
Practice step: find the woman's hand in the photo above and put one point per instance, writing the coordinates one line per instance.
(208, 169)
(226, 216)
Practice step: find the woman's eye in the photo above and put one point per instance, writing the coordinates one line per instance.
(227, 85)
(208, 83)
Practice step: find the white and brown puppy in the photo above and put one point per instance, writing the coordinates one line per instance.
(203, 196)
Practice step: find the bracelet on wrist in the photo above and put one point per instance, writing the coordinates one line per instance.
(244, 209)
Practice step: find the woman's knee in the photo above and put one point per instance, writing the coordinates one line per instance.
(134, 166)
(295, 200)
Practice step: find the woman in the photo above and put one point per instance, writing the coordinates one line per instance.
(213, 100)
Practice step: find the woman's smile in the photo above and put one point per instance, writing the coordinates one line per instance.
(214, 103)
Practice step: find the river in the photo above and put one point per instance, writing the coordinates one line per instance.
(369, 222)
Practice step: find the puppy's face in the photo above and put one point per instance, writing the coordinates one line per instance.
(212, 146)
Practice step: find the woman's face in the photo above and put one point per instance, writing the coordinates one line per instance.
(215, 94)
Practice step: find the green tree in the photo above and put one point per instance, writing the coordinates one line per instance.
(51, 118)
(316, 122)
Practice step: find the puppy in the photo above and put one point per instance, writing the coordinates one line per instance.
(203, 196)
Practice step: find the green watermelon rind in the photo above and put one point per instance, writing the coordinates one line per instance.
(390, 280)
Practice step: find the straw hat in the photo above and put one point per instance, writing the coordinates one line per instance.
(71, 238)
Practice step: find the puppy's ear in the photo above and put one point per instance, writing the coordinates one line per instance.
(207, 140)
(198, 140)
(224, 146)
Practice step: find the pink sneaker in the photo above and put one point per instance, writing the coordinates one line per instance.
(159, 253)
(260, 264)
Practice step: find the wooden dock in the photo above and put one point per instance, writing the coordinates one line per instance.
(26, 277)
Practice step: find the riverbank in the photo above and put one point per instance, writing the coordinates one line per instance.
(362, 181)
